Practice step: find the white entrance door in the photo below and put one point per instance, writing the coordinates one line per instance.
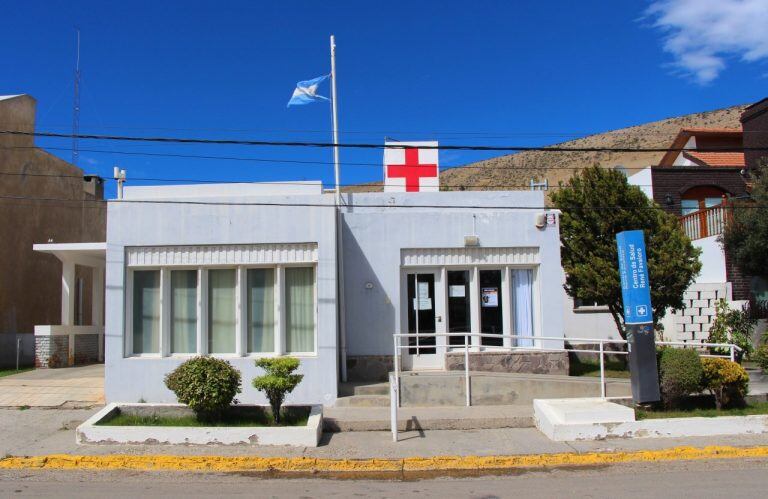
(424, 312)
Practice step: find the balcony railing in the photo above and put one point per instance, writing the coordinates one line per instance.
(705, 223)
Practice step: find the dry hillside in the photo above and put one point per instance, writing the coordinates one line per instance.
(515, 171)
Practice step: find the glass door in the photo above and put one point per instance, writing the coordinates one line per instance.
(424, 305)
(491, 309)
(459, 315)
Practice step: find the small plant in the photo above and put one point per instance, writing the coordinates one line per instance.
(732, 326)
(207, 385)
(680, 374)
(727, 381)
(278, 381)
(760, 356)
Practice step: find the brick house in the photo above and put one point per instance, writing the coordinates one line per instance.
(696, 186)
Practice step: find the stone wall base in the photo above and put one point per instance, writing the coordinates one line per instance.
(369, 367)
(519, 361)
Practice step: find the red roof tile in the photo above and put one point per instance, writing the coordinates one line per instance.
(733, 159)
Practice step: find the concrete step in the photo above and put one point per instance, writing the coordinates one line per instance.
(363, 401)
(342, 419)
(363, 388)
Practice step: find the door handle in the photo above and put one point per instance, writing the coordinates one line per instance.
(439, 318)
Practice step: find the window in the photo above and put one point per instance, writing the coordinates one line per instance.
(491, 309)
(183, 311)
(699, 198)
(261, 310)
(299, 309)
(146, 311)
(221, 311)
(228, 311)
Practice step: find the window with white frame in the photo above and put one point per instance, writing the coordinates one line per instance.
(238, 310)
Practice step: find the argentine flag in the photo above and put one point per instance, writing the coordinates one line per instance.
(306, 92)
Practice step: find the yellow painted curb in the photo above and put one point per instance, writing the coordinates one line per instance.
(410, 464)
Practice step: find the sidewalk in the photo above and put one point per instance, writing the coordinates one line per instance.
(71, 386)
(37, 432)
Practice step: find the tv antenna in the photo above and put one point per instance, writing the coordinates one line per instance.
(76, 103)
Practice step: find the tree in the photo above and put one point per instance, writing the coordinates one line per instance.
(278, 381)
(746, 235)
(596, 205)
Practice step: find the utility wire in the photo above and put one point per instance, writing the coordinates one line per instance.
(443, 168)
(178, 140)
(277, 182)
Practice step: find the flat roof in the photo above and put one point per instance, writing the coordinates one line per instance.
(201, 191)
(90, 254)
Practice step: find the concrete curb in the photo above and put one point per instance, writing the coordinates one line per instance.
(372, 467)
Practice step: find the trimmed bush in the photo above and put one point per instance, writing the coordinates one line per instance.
(680, 374)
(206, 384)
(760, 356)
(727, 381)
(278, 381)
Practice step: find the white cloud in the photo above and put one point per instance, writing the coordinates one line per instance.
(702, 34)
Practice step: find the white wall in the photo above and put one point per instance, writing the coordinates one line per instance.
(129, 379)
(374, 237)
(644, 180)
(712, 260)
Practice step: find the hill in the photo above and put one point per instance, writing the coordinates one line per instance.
(515, 171)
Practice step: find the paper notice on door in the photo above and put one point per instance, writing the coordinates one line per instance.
(489, 297)
(423, 290)
(422, 303)
(457, 291)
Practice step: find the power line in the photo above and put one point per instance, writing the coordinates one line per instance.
(277, 182)
(178, 140)
(443, 168)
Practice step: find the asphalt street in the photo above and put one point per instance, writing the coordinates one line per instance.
(680, 479)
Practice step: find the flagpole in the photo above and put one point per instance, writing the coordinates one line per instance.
(339, 241)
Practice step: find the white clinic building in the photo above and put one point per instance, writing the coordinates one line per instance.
(243, 271)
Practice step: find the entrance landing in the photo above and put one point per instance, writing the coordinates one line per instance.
(72, 387)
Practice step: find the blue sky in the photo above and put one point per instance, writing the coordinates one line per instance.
(481, 72)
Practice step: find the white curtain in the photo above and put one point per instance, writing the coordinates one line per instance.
(183, 311)
(523, 282)
(146, 311)
(221, 310)
(300, 309)
(261, 310)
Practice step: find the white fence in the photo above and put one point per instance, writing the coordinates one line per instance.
(394, 378)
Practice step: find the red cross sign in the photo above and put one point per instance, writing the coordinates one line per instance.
(410, 167)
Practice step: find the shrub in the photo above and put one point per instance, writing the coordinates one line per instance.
(760, 356)
(278, 381)
(680, 374)
(207, 385)
(732, 326)
(727, 381)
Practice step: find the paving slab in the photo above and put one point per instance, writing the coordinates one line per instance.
(78, 386)
(341, 419)
(36, 432)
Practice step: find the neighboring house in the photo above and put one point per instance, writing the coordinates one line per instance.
(42, 199)
(243, 271)
(754, 122)
(696, 187)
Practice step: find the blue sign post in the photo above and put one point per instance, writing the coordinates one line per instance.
(638, 316)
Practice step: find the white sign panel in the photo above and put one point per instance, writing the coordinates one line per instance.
(410, 167)
(457, 291)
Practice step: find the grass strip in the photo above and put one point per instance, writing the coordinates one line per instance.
(703, 412)
(228, 420)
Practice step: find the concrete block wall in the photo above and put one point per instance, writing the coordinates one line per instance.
(695, 320)
(51, 351)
